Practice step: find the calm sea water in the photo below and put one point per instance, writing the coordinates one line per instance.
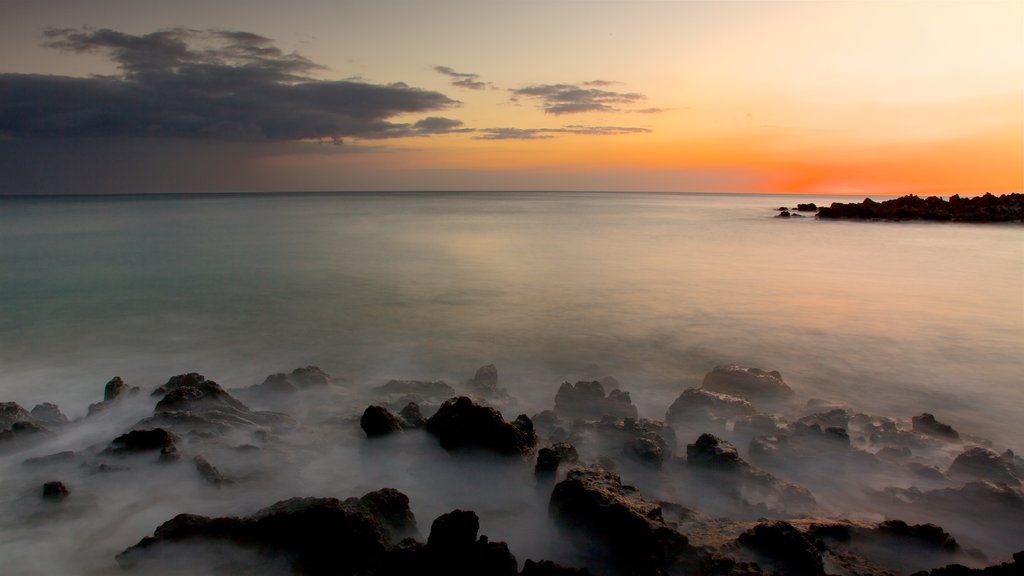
(654, 289)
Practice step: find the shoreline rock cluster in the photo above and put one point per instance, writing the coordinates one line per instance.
(721, 486)
(986, 208)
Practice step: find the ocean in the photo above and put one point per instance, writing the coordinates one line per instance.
(655, 290)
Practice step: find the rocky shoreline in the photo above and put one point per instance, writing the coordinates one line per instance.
(986, 208)
(741, 477)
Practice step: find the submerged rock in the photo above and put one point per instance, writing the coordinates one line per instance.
(549, 459)
(412, 417)
(142, 441)
(209, 472)
(299, 379)
(461, 423)
(587, 400)
(55, 491)
(378, 421)
(434, 390)
(594, 507)
(748, 383)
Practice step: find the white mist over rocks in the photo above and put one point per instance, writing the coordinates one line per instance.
(871, 327)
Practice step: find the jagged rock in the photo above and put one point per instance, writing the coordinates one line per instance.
(55, 490)
(461, 423)
(549, 568)
(298, 379)
(113, 391)
(593, 506)
(175, 382)
(412, 417)
(983, 464)
(198, 397)
(927, 424)
(986, 208)
(142, 441)
(790, 550)
(748, 383)
(209, 472)
(587, 400)
(925, 534)
(548, 459)
(318, 535)
(645, 450)
(432, 390)
(391, 507)
(485, 381)
(48, 415)
(926, 471)
(700, 405)
(712, 455)
(453, 548)
(11, 412)
(378, 421)
(21, 432)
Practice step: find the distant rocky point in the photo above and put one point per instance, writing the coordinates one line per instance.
(987, 208)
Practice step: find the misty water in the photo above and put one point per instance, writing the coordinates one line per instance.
(654, 289)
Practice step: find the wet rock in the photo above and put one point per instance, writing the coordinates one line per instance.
(198, 397)
(11, 412)
(549, 568)
(411, 416)
(456, 529)
(142, 441)
(986, 208)
(318, 535)
(784, 214)
(175, 382)
(22, 433)
(209, 472)
(113, 391)
(927, 424)
(55, 491)
(485, 383)
(749, 383)
(378, 421)
(461, 423)
(48, 415)
(645, 450)
(698, 404)
(712, 452)
(587, 400)
(453, 548)
(549, 459)
(808, 207)
(594, 507)
(391, 507)
(983, 464)
(788, 549)
(1012, 568)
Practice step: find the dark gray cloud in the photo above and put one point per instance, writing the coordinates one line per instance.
(572, 99)
(544, 133)
(463, 79)
(204, 84)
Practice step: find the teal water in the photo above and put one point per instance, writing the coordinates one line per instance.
(655, 289)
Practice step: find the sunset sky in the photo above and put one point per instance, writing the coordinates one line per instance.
(808, 97)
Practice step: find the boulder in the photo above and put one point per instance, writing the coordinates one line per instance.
(927, 424)
(700, 405)
(298, 379)
(587, 400)
(318, 535)
(983, 464)
(412, 417)
(748, 383)
(788, 549)
(461, 423)
(175, 382)
(593, 506)
(55, 491)
(378, 421)
(48, 415)
(198, 397)
(548, 459)
(11, 412)
(142, 441)
(928, 535)
(485, 382)
(114, 390)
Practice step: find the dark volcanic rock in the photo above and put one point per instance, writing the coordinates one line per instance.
(809, 207)
(175, 382)
(318, 535)
(453, 548)
(22, 432)
(209, 472)
(485, 382)
(298, 379)
(700, 405)
(48, 415)
(587, 400)
(1012, 568)
(378, 421)
(461, 423)
(791, 551)
(927, 424)
(925, 534)
(11, 412)
(749, 383)
(142, 441)
(412, 417)
(712, 452)
(594, 506)
(55, 491)
(548, 459)
(983, 464)
(646, 450)
(115, 390)
(987, 208)
(198, 397)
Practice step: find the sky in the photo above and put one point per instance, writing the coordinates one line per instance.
(825, 97)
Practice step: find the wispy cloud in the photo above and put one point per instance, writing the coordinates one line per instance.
(205, 84)
(573, 99)
(543, 133)
(463, 79)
